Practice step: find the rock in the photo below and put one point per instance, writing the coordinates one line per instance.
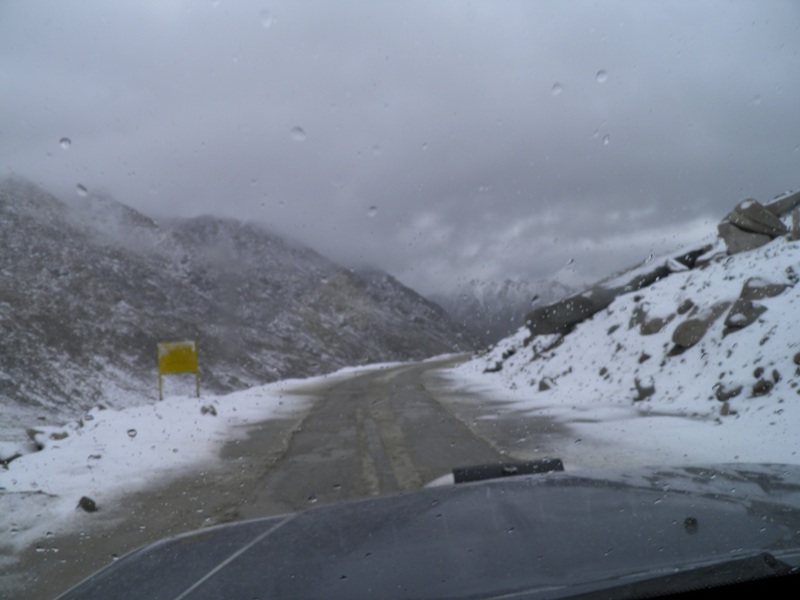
(762, 387)
(784, 205)
(208, 409)
(87, 504)
(749, 226)
(744, 312)
(737, 241)
(723, 394)
(561, 316)
(757, 288)
(691, 331)
(750, 215)
(644, 389)
(685, 307)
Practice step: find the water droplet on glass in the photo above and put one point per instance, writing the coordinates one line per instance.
(556, 89)
(298, 134)
(602, 76)
(377, 150)
(65, 143)
(425, 146)
(266, 18)
(312, 499)
(756, 100)
(82, 191)
(373, 210)
(114, 557)
(570, 261)
(49, 534)
(132, 433)
(578, 441)
(606, 140)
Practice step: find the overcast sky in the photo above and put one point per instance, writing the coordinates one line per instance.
(441, 141)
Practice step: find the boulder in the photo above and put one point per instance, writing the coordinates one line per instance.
(561, 316)
(744, 311)
(750, 215)
(781, 206)
(691, 331)
(737, 240)
(751, 224)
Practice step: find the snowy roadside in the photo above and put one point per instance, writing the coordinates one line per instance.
(110, 453)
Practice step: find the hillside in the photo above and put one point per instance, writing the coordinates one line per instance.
(708, 333)
(89, 289)
(492, 310)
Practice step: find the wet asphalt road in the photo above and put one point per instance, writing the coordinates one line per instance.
(374, 434)
(383, 432)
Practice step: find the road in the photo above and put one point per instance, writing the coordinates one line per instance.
(386, 431)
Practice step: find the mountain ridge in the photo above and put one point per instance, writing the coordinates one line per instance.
(84, 301)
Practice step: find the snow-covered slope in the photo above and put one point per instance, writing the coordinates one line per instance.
(87, 290)
(718, 343)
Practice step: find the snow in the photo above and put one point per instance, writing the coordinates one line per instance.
(596, 376)
(109, 452)
(596, 373)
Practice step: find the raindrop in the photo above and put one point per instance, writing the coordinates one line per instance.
(556, 89)
(578, 441)
(606, 140)
(373, 210)
(425, 146)
(312, 499)
(266, 18)
(49, 534)
(756, 100)
(298, 134)
(82, 191)
(797, 148)
(114, 557)
(690, 524)
(602, 76)
(65, 143)
(377, 150)
(570, 261)
(132, 433)
(649, 258)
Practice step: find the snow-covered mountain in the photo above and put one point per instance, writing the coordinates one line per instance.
(87, 291)
(709, 332)
(491, 310)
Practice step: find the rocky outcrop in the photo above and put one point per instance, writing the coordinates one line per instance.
(744, 311)
(560, 317)
(750, 225)
(692, 330)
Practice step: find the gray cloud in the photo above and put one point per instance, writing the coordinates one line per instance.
(441, 115)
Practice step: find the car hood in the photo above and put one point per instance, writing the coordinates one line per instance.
(554, 534)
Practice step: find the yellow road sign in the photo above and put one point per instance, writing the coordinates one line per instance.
(177, 357)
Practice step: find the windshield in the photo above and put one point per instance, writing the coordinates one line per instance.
(260, 257)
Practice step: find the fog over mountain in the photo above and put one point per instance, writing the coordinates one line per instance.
(87, 290)
(491, 310)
